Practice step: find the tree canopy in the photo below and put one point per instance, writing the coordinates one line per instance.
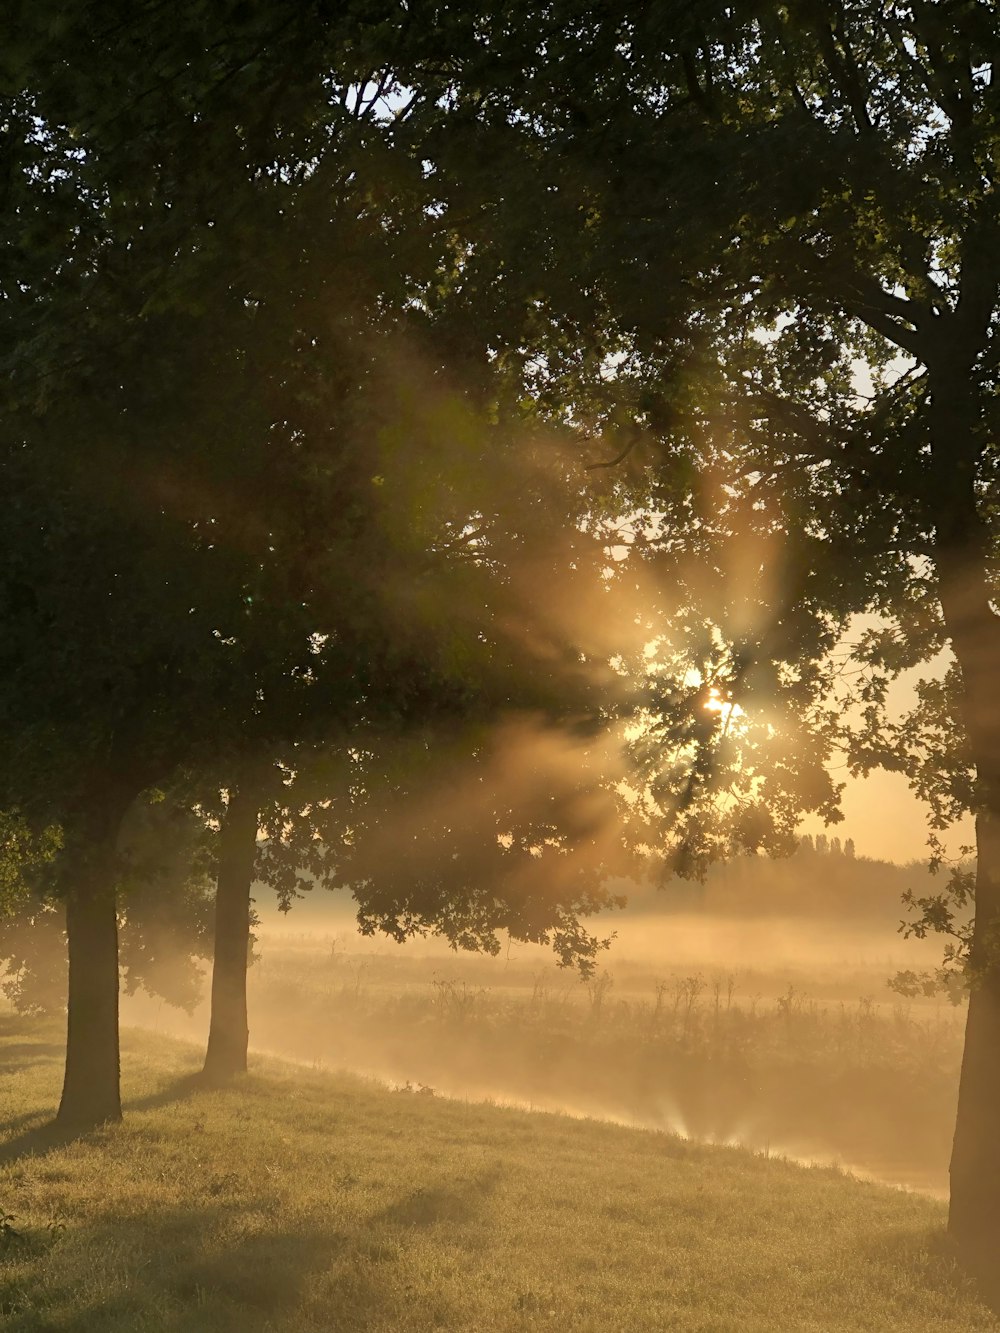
(347, 349)
(788, 221)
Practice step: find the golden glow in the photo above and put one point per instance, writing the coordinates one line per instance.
(727, 711)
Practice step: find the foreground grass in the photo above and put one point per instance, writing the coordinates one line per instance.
(303, 1201)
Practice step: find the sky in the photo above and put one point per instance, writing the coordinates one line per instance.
(886, 820)
(881, 813)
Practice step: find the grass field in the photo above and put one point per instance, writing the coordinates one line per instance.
(300, 1200)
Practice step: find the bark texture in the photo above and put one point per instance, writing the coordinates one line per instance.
(91, 1088)
(974, 1214)
(963, 561)
(229, 1034)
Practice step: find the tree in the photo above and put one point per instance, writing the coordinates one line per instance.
(765, 196)
(462, 661)
(146, 524)
(200, 314)
(162, 915)
(229, 1030)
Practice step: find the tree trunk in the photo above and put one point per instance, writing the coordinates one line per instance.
(962, 542)
(91, 1089)
(229, 1035)
(974, 1215)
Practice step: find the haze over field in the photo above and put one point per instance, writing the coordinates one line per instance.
(753, 1010)
(500, 591)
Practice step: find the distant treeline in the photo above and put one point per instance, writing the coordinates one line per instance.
(824, 877)
(827, 846)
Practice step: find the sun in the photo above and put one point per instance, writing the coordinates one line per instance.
(715, 703)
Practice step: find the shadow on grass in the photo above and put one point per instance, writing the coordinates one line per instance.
(459, 1203)
(22, 1045)
(976, 1276)
(933, 1262)
(19, 1123)
(177, 1090)
(19, 1054)
(189, 1085)
(35, 1139)
(33, 1136)
(209, 1266)
(39, 1140)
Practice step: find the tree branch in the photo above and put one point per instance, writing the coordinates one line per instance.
(907, 339)
(618, 458)
(844, 72)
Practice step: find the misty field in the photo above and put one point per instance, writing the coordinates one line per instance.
(300, 1200)
(795, 1051)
